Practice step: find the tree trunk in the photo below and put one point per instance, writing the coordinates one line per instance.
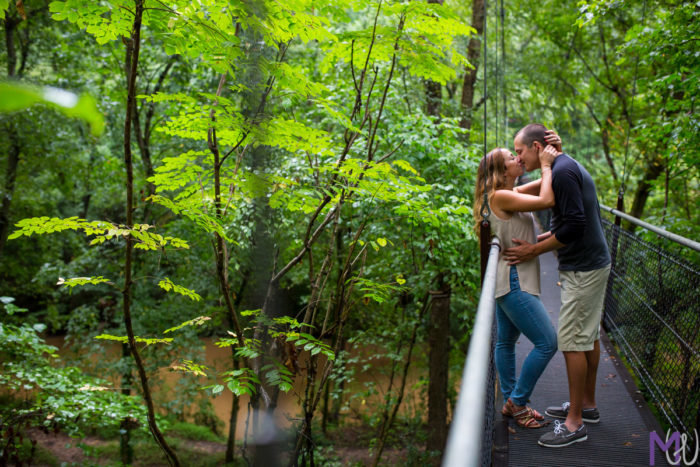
(438, 333)
(11, 23)
(126, 450)
(433, 94)
(473, 52)
(143, 135)
(132, 60)
(233, 420)
(433, 90)
(9, 187)
(652, 171)
(439, 327)
(389, 414)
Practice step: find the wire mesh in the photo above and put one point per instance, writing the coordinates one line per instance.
(489, 419)
(652, 311)
(469, 443)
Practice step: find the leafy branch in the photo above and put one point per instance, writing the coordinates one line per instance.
(167, 285)
(102, 231)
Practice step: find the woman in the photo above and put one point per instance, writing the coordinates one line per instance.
(519, 309)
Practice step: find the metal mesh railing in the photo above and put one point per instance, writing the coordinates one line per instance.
(491, 396)
(471, 434)
(652, 310)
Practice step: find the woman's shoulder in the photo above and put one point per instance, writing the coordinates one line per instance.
(499, 213)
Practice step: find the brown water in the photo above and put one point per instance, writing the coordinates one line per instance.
(373, 372)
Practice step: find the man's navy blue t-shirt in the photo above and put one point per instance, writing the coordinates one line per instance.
(576, 218)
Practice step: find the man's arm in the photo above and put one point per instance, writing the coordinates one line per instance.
(526, 251)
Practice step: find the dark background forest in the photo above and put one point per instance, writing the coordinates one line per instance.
(288, 186)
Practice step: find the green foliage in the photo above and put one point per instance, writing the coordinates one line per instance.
(312, 173)
(277, 375)
(4, 5)
(137, 339)
(167, 285)
(73, 281)
(284, 329)
(188, 366)
(193, 432)
(147, 452)
(11, 308)
(190, 209)
(53, 396)
(198, 321)
(102, 231)
(239, 382)
(105, 22)
(628, 86)
(377, 291)
(15, 97)
(309, 343)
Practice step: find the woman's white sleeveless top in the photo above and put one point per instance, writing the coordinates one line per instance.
(522, 226)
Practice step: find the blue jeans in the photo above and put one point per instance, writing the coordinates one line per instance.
(520, 312)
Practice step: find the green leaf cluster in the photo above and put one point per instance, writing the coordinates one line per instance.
(102, 231)
(167, 285)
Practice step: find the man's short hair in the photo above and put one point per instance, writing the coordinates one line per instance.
(531, 133)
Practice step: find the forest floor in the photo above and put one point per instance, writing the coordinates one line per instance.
(347, 446)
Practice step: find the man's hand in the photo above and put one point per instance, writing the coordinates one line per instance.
(518, 254)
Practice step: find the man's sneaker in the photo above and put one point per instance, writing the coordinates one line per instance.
(588, 415)
(561, 436)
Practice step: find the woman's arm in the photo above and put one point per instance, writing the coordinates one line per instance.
(532, 188)
(513, 201)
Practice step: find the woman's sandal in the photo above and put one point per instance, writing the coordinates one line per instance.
(524, 418)
(509, 410)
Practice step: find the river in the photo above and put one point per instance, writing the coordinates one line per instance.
(370, 372)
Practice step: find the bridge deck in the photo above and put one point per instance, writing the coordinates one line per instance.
(622, 436)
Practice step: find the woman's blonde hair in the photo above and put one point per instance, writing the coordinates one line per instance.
(490, 177)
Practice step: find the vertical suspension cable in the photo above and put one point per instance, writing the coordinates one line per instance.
(485, 64)
(503, 79)
(634, 94)
(498, 79)
(485, 230)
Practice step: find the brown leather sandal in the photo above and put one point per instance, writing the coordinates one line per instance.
(509, 408)
(525, 419)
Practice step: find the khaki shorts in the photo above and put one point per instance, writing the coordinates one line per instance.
(582, 298)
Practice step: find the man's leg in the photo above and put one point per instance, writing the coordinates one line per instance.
(592, 360)
(577, 372)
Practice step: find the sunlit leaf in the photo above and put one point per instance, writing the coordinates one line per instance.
(15, 97)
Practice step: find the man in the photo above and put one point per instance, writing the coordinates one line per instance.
(584, 266)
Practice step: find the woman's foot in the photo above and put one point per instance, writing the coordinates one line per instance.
(509, 407)
(523, 415)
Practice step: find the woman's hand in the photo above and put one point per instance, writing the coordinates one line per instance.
(547, 156)
(551, 137)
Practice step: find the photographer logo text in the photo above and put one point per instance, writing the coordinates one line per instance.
(678, 453)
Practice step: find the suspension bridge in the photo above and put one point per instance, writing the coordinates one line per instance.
(651, 324)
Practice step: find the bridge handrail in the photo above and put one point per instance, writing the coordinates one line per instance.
(466, 431)
(657, 230)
